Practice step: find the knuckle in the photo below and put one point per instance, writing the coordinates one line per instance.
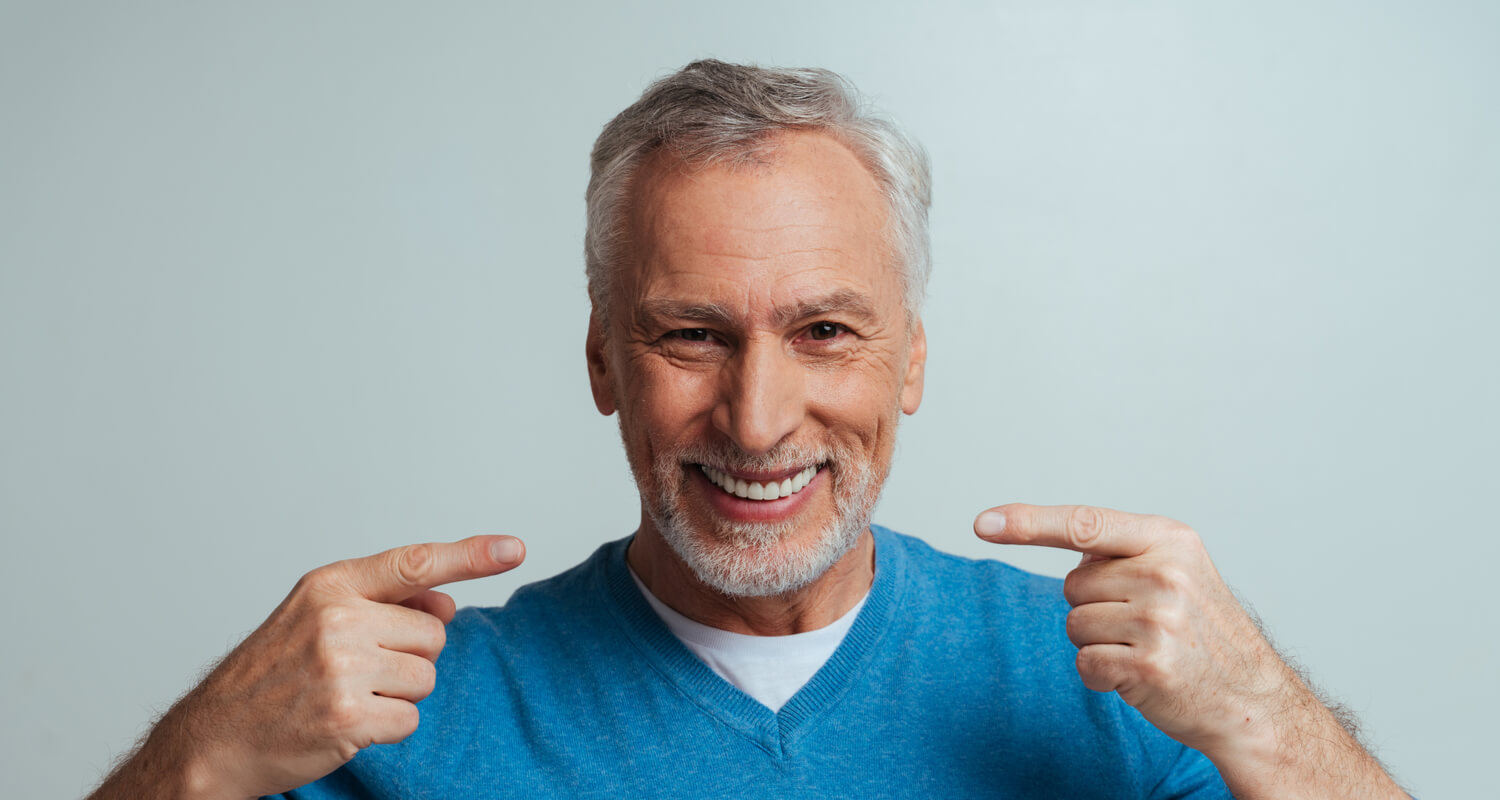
(332, 626)
(1174, 530)
(1154, 667)
(336, 662)
(1074, 625)
(1167, 619)
(413, 563)
(1072, 587)
(408, 718)
(438, 635)
(334, 618)
(315, 580)
(1085, 525)
(1171, 581)
(343, 713)
(425, 677)
(1094, 670)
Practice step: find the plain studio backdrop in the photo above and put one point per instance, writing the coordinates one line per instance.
(281, 286)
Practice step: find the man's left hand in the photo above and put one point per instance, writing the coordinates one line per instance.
(1154, 622)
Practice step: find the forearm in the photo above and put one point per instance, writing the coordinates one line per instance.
(165, 765)
(1300, 750)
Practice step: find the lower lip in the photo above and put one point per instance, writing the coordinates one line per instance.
(743, 510)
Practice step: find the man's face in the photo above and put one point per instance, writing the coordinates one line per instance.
(759, 355)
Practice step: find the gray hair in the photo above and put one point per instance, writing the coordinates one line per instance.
(710, 112)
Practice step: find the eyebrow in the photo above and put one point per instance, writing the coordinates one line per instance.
(846, 301)
(666, 308)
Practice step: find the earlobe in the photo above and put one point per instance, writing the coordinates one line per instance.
(911, 391)
(595, 350)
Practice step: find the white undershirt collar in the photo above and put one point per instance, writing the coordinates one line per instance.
(770, 669)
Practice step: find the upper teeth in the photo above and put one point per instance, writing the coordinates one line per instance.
(770, 490)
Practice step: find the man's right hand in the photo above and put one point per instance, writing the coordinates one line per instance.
(338, 666)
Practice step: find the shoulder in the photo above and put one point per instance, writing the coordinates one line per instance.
(948, 580)
(554, 610)
(522, 655)
(985, 612)
(996, 636)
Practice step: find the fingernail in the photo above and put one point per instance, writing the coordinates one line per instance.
(990, 523)
(506, 550)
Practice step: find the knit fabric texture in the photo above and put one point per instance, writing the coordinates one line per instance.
(956, 680)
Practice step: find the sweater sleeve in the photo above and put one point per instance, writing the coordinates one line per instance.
(1191, 777)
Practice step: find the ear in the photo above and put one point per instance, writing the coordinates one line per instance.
(597, 352)
(911, 391)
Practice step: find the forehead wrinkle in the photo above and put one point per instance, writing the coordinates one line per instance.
(758, 243)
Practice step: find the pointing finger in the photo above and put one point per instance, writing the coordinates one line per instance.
(405, 572)
(1084, 529)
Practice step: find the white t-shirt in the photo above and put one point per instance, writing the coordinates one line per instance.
(768, 668)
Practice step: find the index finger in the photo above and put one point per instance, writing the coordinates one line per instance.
(1083, 529)
(403, 572)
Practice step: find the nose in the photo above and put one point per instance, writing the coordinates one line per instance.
(762, 397)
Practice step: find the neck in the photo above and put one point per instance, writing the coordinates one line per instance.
(814, 606)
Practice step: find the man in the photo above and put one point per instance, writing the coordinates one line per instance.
(757, 253)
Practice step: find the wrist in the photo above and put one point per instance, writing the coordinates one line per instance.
(1295, 750)
(187, 759)
(200, 779)
(162, 768)
(1256, 746)
(1253, 725)
(1252, 745)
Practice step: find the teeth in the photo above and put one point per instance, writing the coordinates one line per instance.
(771, 490)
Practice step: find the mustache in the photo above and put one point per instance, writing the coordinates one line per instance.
(786, 456)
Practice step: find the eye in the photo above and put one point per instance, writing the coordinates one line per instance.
(823, 331)
(692, 334)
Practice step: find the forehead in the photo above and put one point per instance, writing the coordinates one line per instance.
(809, 220)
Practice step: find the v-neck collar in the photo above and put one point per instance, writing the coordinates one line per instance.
(775, 732)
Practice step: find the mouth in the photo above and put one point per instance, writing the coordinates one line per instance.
(762, 488)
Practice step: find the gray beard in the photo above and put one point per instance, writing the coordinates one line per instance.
(753, 559)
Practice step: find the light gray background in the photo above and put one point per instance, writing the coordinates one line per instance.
(283, 286)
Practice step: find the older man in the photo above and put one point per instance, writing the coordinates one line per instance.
(756, 259)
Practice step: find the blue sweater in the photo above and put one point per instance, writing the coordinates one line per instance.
(956, 680)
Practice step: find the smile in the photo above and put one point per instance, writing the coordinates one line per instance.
(749, 490)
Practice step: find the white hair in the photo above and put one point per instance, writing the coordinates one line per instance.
(710, 112)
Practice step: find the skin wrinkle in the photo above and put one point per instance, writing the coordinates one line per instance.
(661, 170)
(654, 312)
(711, 258)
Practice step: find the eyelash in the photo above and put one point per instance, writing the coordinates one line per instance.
(682, 334)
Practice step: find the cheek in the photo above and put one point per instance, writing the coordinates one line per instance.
(667, 402)
(858, 399)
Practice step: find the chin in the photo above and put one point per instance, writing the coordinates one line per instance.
(740, 558)
(739, 550)
(752, 559)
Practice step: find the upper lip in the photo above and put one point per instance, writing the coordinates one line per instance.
(761, 477)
